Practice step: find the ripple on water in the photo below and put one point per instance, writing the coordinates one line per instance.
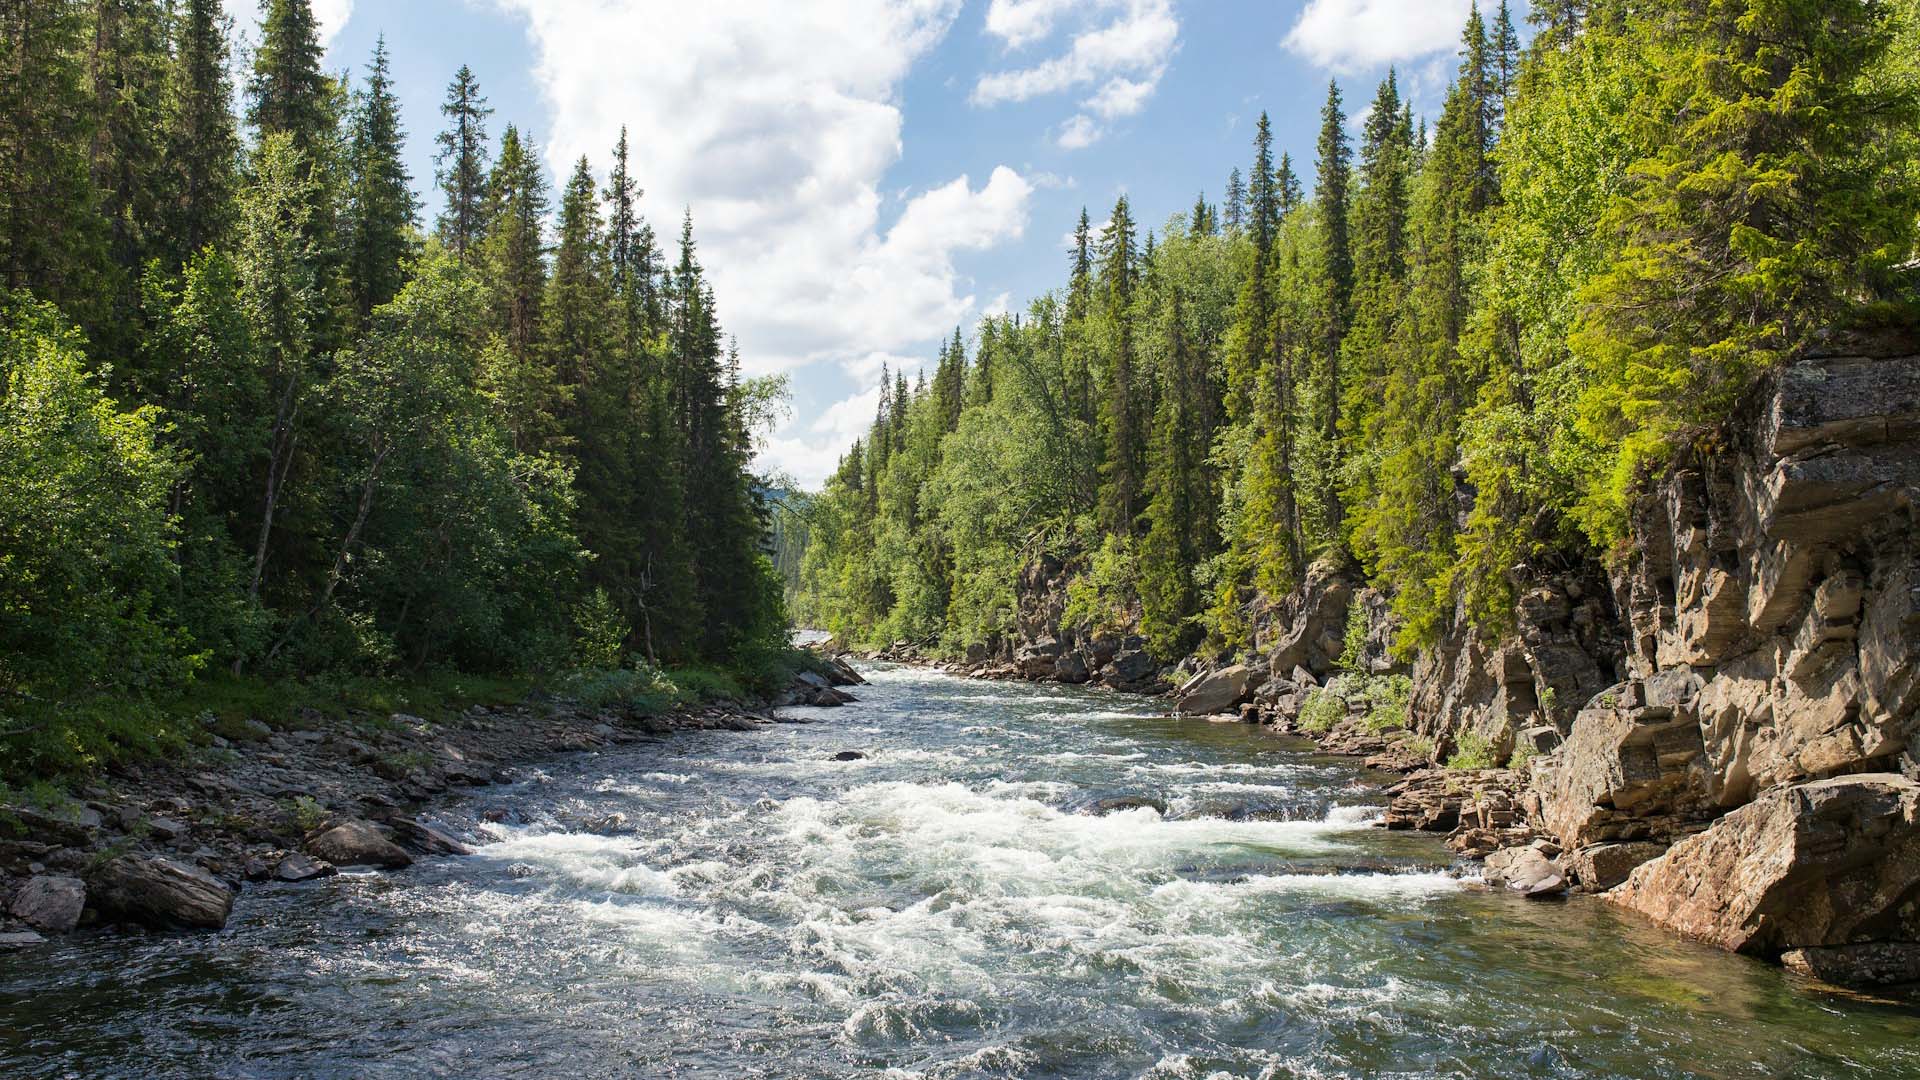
(744, 905)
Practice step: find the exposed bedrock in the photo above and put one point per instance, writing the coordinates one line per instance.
(1763, 726)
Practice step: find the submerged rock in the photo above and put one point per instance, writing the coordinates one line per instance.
(358, 843)
(297, 867)
(421, 838)
(155, 891)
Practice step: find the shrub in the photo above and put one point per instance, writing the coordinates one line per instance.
(1322, 709)
(1472, 751)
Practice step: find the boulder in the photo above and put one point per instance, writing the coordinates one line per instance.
(421, 838)
(50, 903)
(1529, 871)
(1822, 863)
(20, 939)
(1218, 691)
(1130, 667)
(1879, 963)
(298, 867)
(155, 891)
(1071, 668)
(1632, 768)
(357, 843)
(1599, 867)
(849, 755)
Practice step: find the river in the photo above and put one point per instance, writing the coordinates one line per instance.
(953, 904)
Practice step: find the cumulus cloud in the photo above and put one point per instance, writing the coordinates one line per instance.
(331, 15)
(1120, 52)
(1358, 35)
(776, 122)
(1023, 22)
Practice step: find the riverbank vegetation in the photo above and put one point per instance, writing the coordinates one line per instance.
(266, 432)
(1450, 356)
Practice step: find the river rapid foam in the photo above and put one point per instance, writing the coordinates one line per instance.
(1011, 883)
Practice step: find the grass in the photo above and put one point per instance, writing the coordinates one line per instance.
(58, 745)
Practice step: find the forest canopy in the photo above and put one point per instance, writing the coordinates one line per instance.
(259, 418)
(1450, 359)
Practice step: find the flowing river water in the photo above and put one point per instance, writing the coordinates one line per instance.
(1014, 882)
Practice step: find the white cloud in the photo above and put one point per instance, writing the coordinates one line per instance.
(1078, 133)
(1123, 52)
(1023, 22)
(776, 122)
(1358, 35)
(331, 15)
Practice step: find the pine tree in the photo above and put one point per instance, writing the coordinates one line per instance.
(574, 313)
(1264, 196)
(1337, 298)
(1772, 205)
(1119, 414)
(1504, 57)
(632, 251)
(202, 147)
(513, 261)
(51, 239)
(127, 69)
(461, 164)
(380, 208)
(288, 93)
(1234, 211)
(1286, 186)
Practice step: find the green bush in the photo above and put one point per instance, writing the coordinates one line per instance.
(1322, 709)
(1472, 751)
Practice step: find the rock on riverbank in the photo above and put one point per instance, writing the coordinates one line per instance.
(169, 844)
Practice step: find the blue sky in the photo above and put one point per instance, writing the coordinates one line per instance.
(865, 175)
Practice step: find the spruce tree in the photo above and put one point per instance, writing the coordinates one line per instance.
(127, 69)
(1336, 297)
(513, 265)
(288, 92)
(380, 208)
(52, 241)
(1234, 207)
(461, 164)
(202, 148)
(1120, 418)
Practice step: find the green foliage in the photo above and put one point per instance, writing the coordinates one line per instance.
(1472, 751)
(1322, 709)
(291, 443)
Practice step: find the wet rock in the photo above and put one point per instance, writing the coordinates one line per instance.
(298, 867)
(1530, 871)
(1880, 963)
(20, 939)
(50, 903)
(155, 891)
(421, 838)
(1121, 803)
(1823, 863)
(849, 755)
(1218, 691)
(357, 843)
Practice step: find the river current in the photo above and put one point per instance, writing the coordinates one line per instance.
(1013, 882)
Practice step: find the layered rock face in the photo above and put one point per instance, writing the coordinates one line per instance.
(1771, 596)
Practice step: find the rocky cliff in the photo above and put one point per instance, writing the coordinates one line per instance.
(1716, 729)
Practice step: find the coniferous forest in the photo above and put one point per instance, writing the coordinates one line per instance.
(268, 417)
(1449, 353)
